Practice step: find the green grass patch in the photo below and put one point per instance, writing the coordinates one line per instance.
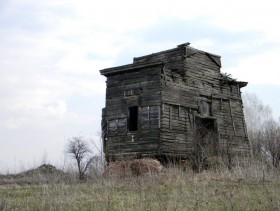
(156, 192)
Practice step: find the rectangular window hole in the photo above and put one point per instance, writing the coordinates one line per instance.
(133, 118)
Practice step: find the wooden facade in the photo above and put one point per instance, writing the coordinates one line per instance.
(157, 105)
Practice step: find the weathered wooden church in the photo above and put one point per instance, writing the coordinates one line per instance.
(162, 103)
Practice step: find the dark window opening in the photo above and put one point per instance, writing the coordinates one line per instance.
(133, 118)
(205, 126)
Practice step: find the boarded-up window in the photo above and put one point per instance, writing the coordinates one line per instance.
(149, 117)
(113, 125)
(154, 116)
(122, 125)
(174, 117)
(117, 125)
(145, 117)
(132, 90)
(205, 108)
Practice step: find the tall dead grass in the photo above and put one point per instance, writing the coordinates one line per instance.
(244, 187)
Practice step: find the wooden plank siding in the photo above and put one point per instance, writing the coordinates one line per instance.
(135, 88)
(170, 90)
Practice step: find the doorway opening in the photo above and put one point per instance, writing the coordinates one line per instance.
(206, 145)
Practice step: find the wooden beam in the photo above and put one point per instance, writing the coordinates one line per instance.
(232, 120)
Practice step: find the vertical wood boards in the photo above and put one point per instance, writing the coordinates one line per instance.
(171, 89)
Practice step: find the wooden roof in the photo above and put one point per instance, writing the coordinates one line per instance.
(129, 67)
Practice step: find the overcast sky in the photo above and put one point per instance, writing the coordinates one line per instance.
(51, 52)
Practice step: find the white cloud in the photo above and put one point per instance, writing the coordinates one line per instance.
(248, 15)
(258, 69)
(51, 51)
(203, 43)
(13, 123)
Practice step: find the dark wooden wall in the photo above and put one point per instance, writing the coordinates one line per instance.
(141, 88)
(180, 85)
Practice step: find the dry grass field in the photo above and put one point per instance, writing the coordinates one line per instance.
(251, 188)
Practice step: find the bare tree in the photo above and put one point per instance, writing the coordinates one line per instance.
(99, 162)
(263, 130)
(270, 139)
(256, 116)
(79, 150)
(255, 111)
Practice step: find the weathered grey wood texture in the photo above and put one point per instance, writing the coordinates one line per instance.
(171, 89)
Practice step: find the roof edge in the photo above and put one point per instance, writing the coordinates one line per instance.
(129, 67)
(184, 45)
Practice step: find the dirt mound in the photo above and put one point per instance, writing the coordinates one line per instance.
(43, 169)
(45, 173)
(133, 167)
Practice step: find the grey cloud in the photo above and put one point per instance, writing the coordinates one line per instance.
(179, 31)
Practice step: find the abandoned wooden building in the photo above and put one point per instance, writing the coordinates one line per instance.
(158, 105)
